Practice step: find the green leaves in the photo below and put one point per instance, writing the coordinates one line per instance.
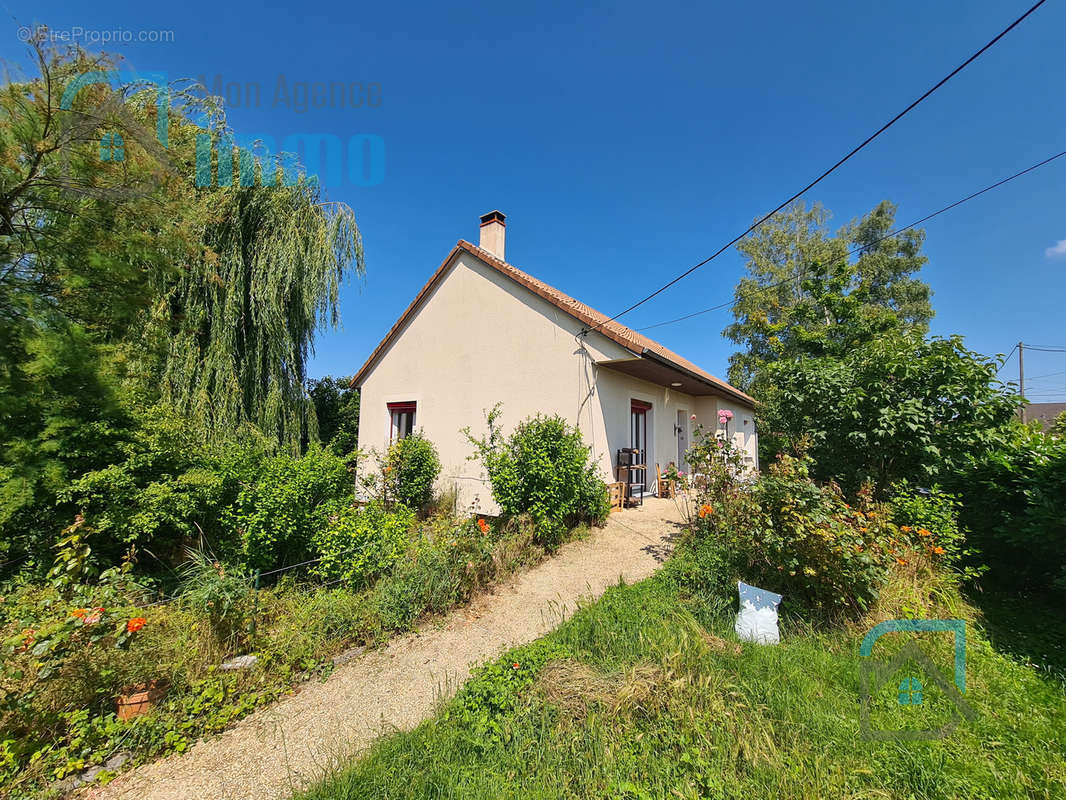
(896, 408)
(808, 296)
(545, 470)
(411, 469)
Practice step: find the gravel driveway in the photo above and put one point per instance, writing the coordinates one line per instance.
(281, 748)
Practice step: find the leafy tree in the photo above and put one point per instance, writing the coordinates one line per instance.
(336, 404)
(123, 284)
(805, 295)
(900, 407)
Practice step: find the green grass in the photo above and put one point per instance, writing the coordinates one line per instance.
(659, 701)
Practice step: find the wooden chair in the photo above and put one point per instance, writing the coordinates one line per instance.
(664, 487)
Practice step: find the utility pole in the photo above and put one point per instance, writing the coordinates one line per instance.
(1021, 377)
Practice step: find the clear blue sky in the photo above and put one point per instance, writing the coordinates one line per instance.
(626, 142)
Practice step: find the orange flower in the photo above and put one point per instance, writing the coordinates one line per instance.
(135, 624)
(706, 510)
(79, 613)
(906, 528)
(924, 532)
(860, 514)
(938, 550)
(483, 525)
(514, 665)
(901, 561)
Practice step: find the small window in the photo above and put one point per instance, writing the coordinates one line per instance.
(402, 420)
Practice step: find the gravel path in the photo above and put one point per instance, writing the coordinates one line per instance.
(279, 749)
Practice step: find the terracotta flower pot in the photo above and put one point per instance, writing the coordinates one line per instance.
(139, 700)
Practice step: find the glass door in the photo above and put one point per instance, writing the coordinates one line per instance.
(638, 439)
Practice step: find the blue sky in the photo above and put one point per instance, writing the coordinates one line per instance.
(626, 142)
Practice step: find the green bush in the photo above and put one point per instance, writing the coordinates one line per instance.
(411, 469)
(1014, 505)
(277, 516)
(545, 470)
(440, 569)
(357, 545)
(167, 490)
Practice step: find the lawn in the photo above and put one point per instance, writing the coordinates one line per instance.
(647, 694)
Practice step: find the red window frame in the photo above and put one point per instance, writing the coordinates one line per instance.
(396, 412)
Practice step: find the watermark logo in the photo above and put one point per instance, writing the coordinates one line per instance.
(323, 158)
(912, 692)
(88, 37)
(297, 96)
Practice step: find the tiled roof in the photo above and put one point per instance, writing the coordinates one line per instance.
(617, 332)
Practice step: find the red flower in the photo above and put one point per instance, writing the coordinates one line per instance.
(135, 624)
(483, 525)
(514, 665)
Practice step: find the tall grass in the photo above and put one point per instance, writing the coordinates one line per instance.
(711, 717)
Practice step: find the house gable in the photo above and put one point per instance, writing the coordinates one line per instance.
(465, 261)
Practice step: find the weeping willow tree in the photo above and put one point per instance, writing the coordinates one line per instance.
(241, 321)
(206, 298)
(234, 329)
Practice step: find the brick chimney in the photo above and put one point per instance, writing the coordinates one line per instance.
(493, 230)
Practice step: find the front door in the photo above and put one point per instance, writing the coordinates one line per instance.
(682, 440)
(638, 437)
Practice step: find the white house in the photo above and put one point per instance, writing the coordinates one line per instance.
(482, 331)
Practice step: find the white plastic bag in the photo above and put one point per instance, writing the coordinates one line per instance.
(757, 620)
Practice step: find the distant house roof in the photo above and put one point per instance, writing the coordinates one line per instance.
(628, 338)
(1046, 413)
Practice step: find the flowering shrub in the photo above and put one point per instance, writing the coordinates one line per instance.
(543, 469)
(928, 519)
(786, 533)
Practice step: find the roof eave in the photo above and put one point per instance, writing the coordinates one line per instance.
(719, 386)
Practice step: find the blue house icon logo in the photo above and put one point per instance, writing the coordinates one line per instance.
(874, 674)
(111, 147)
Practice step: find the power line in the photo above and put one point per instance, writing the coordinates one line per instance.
(1045, 349)
(832, 169)
(1005, 360)
(889, 235)
(1048, 375)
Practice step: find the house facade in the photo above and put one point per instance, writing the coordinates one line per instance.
(482, 332)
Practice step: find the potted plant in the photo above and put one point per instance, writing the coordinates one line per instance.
(139, 699)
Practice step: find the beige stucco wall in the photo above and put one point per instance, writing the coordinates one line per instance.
(480, 338)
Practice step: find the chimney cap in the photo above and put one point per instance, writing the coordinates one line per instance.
(494, 216)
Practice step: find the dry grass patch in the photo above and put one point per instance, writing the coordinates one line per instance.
(576, 688)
